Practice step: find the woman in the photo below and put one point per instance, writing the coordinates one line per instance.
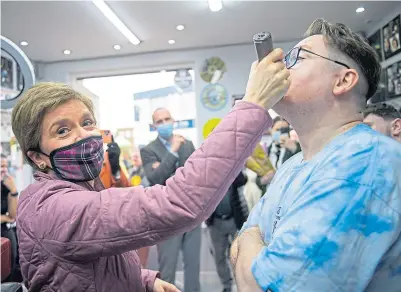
(76, 236)
(9, 200)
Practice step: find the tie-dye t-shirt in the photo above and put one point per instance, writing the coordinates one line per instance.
(333, 223)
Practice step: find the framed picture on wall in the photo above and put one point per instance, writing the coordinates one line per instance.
(376, 43)
(381, 93)
(394, 80)
(391, 38)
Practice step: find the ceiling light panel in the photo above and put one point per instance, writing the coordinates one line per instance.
(113, 18)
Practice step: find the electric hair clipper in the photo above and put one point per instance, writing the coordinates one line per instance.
(263, 44)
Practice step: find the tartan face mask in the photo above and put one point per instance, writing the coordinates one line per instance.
(79, 162)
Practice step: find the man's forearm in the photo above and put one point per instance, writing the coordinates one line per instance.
(6, 219)
(243, 271)
(245, 249)
(12, 206)
(166, 168)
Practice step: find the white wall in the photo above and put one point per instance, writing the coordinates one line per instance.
(397, 101)
(238, 60)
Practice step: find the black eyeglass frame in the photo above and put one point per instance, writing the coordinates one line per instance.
(310, 52)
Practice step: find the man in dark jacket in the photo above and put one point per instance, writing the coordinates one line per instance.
(228, 217)
(282, 147)
(280, 150)
(160, 160)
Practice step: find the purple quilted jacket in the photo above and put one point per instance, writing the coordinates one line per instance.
(74, 237)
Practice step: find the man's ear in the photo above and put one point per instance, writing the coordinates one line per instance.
(346, 81)
(37, 159)
(396, 128)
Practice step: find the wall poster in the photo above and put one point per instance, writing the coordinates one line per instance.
(391, 38)
(394, 80)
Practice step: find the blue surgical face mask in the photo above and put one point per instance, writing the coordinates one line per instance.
(165, 130)
(276, 136)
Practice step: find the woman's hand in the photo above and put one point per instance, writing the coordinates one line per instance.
(269, 80)
(163, 286)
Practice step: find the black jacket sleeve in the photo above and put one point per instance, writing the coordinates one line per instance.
(160, 174)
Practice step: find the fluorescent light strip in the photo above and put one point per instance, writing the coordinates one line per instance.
(110, 15)
(215, 5)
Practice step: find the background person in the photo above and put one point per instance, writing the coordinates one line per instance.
(385, 119)
(223, 224)
(161, 158)
(9, 201)
(280, 150)
(112, 175)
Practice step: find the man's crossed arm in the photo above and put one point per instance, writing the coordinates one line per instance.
(244, 251)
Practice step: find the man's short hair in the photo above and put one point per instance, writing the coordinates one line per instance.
(156, 110)
(339, 37)
(384, 110)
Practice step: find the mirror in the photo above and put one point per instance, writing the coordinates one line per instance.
(12, 81)
(17, 74)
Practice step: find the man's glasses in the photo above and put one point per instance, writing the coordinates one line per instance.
(293, 56)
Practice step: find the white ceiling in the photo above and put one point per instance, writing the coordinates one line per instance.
(52, 27)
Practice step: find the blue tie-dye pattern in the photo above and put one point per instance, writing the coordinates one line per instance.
(321, 252)
(396, 272)
(365, 223)
(276, 286)
(338, 225)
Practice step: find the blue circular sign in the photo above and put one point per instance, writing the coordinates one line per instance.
(214, 97)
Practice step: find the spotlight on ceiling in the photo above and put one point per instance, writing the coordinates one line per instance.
(360, 10)
(215, 5)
